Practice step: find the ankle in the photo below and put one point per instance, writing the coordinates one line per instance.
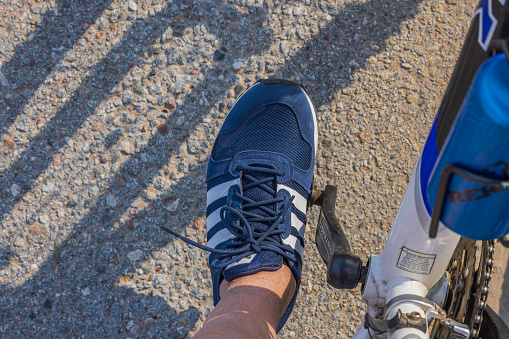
(251, 306)
(280, 285)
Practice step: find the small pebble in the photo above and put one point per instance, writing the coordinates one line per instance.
(15, 190)
(135, 255)
(132, 6)
(47, 187)
(237, 65)
(126, 148)
(220, 53)
(111, 201)
(173, 206)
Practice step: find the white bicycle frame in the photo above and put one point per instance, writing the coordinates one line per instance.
(408, 249)
(412, 262)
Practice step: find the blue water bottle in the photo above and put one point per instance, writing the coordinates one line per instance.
(478, 142)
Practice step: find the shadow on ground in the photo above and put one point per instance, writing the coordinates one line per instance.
(35, 59)
(77, 291)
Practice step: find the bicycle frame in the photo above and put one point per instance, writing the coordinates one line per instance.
(412, 263)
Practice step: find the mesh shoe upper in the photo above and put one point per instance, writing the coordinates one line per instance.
(264, 130)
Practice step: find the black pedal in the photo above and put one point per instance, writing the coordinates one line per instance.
(344, 270)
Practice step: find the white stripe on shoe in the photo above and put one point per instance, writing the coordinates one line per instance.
(213, 218)
(245, 260)
(221, 190)
(299, 201)
(294, 243)
(214, 194)
(220, 237)
(299, 225)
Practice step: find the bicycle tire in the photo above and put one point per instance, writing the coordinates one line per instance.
(492, 326)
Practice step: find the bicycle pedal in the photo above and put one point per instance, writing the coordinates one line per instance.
(344, 270)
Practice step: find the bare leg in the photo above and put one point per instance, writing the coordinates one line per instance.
(250, 306)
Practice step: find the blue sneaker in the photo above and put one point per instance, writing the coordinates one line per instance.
(258, 182)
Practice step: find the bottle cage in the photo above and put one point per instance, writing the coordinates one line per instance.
(500, 46)
(444, 185)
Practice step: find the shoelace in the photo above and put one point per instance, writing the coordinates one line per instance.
(247, 240)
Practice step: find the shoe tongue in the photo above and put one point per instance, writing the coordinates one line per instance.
(257, 194)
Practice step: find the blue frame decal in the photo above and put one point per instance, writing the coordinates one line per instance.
(487, 22)
(428, 160)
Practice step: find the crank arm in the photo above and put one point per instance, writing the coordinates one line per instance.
(344, 270)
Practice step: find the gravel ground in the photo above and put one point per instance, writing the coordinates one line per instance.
(108, 111)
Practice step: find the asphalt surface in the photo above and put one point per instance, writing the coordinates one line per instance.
(108, 111)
